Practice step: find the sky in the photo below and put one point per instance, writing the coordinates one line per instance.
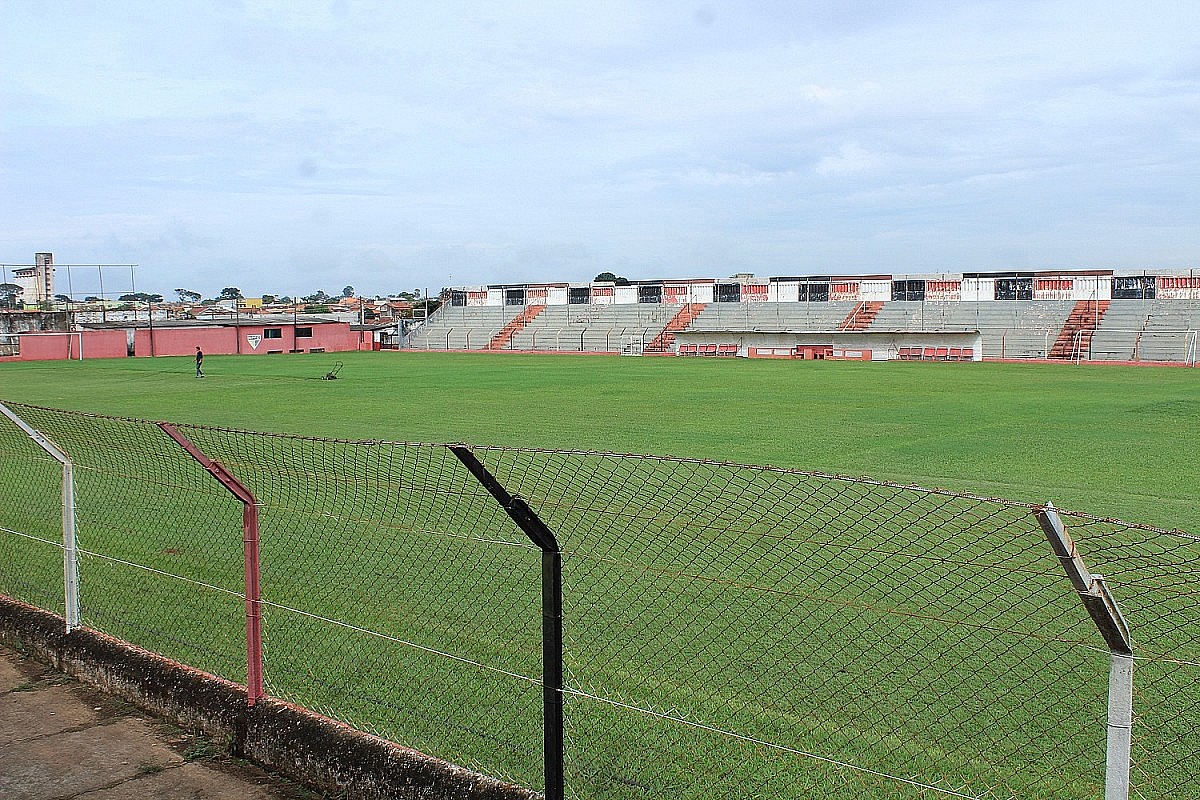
(289, 147)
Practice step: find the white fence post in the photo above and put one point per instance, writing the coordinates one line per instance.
(1102, 608)
(1120, 727)
(70, 558)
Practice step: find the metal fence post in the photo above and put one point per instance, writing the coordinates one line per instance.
(552, 618)
(70, 551)
(253, 592)
(1102, 607)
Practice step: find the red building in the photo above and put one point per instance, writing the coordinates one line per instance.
(259, 335)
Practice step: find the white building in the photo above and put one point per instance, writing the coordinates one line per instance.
(36, 282)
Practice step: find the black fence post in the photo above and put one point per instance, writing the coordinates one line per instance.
(552, 617)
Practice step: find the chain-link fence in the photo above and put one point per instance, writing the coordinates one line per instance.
(727, 631)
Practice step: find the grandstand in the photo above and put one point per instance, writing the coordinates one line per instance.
(1057, 315)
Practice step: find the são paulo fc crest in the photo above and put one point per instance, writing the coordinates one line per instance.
(253, 339)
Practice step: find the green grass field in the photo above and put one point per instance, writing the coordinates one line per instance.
(1111, 441)
(923, 635)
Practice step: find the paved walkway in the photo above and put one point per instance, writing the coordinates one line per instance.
(60, 739)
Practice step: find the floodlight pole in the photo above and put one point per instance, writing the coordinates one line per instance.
(254, 653)
(552, 617)
(70, 551)
(1102, 608)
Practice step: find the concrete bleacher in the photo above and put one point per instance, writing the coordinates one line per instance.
(1116, 338)
(462, 327)
(594, 328)
(773, 316)
(1130, 330)
(1147, 330)
(1010, 328)
(1169, 326)
(571, 328)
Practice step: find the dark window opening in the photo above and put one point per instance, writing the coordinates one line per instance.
(1137, 287)
(650, 294)
(579, 295)
(814, 293)
(1014, 288)
(908, 290)
(303, 333)
(729, 293)
(272, 333)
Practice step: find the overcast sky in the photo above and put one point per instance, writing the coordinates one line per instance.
(285, 147)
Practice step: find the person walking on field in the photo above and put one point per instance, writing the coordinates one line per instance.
(199, 363)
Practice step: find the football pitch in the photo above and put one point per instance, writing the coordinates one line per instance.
(1109, 441)
(883, 628)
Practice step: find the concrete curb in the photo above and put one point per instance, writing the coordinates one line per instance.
(313, 750)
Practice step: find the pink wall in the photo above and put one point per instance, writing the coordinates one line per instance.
(184, 341)
(332, 337)
(54, 346)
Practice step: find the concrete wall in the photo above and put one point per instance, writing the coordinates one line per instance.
(52, 346)
(249, 339)
(21, 321)
(316, 751)
(881, 346)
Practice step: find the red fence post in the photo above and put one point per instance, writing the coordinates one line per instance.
(254, 659)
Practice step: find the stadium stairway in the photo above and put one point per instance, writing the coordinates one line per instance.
(518, 323)
(861, 316)
(666, 338)
(1076, 334)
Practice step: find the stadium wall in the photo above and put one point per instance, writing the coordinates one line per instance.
(325, 337)
(1076, 285)
(328, 337)
(61, 346)
(882, 346)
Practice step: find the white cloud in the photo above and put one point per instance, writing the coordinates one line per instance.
(546, 140)
(850, 159)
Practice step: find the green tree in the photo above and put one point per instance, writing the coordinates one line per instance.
(188, 296)
(230, 293)
(348, 291)
(9, 292)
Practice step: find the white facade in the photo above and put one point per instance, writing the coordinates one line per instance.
(36, 282)
(1093, 285)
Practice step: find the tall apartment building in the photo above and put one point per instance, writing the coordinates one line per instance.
(36, 281)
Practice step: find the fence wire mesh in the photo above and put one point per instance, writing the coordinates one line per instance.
(729, 631)
(31, 535)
